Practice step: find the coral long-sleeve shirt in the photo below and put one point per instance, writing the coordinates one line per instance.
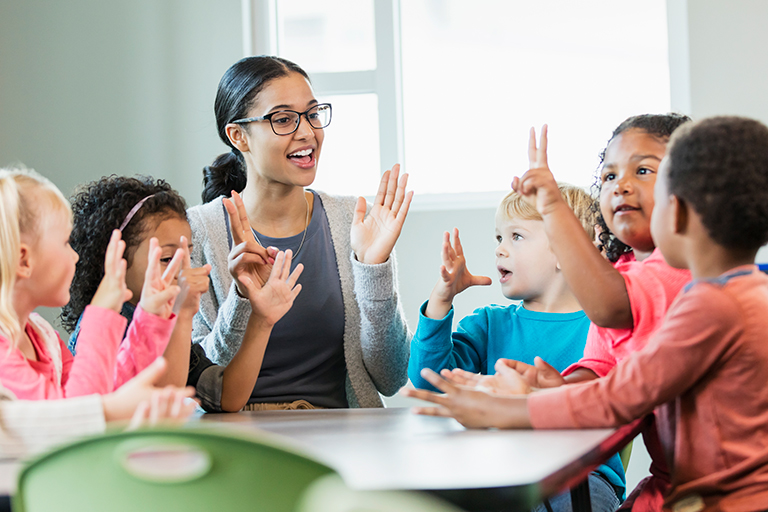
(704, 374)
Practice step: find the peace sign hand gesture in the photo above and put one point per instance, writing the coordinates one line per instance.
(247, 257)
(193, 282)
(538, 185)
(273, 300)
(159, 293)
(373, 236)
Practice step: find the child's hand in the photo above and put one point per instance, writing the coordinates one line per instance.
(124, 403)
(247, 257)
(192, 281)
(471, 407)
(454, 278)
(112, 291)
(540, 375)
(273, 300)
(373, 236)
(538, 185)
(159, 293)
(507, 382)
(170, 405)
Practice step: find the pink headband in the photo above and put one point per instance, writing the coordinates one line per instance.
(133, 212)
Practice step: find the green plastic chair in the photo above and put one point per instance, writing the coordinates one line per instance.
(331, 494)
(188, 469)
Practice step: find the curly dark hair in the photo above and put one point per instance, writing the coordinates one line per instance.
(719, 166)
(658, 125)
(101, 206)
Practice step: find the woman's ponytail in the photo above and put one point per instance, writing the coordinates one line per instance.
(225, 174)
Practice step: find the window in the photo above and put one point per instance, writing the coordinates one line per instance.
(450, 88)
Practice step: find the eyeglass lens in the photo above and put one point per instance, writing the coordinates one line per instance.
(284, 123)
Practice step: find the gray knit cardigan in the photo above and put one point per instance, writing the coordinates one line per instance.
(376, 335)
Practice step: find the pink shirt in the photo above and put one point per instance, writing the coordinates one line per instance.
(704, 374)
(652, 285)
(57, 374)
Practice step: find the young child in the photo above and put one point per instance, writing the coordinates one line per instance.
(702, 370)
(530, 273)
(547, 322)
(37, 267)
(161, 214)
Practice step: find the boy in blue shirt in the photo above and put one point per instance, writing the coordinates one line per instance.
(547, 322)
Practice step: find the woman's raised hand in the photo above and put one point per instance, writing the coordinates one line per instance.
(159, 293)
(112, 291)
(373, 236)
(273, 299)
(538, 185)
(247, 257)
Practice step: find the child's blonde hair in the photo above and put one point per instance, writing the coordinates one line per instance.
(515, 206)
(26, 199)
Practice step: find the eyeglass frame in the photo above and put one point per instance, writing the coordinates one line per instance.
(268, 117)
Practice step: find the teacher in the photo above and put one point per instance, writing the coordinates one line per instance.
(345, 340)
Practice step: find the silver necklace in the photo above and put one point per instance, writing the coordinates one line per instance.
(304, 236)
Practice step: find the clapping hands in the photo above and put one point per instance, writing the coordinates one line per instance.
(373, 236)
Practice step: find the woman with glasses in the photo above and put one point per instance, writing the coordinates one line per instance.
(345, 340)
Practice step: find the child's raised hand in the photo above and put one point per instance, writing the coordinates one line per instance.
(112, 291)
(247, 257)
(538, 185)
(454, 278)
(192, 281)
(539, 375)
(159, 293)
(273, 300)
(373, 236)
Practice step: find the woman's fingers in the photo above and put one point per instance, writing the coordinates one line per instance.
(437, 381)
(234, 221)
(403, 212)
(400, 190)
(245, 224)
(295, 276)
(381, 193)
(389, 197)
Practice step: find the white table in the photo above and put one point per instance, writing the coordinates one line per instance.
(394, 449)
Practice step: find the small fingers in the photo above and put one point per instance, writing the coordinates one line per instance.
(173, 268)
(437, 381)
(187, 261)
(433, 411)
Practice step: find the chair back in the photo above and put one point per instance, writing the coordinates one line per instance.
(187, 469)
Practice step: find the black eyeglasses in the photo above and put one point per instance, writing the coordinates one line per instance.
(285, 122)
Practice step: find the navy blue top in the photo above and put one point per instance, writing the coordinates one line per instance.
(304, 358)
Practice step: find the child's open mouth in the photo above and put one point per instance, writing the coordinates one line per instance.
(625, 208)
(304, 158)
(505, 274)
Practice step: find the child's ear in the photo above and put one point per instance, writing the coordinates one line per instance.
(680, 215)
(24, 267)
(236, 135)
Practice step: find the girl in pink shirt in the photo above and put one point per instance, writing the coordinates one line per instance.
(36, 269)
